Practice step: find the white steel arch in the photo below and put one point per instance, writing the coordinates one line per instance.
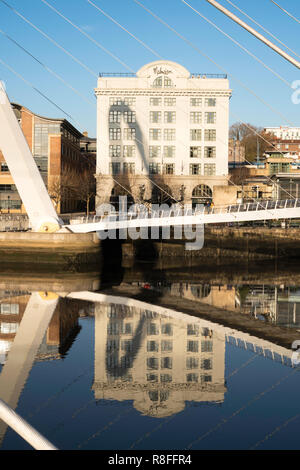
(24, 171)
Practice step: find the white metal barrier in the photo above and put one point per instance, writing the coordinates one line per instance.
(25, 430)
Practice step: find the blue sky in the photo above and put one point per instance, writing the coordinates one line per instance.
(244, 106)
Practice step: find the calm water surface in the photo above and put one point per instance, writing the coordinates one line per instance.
(113, 375)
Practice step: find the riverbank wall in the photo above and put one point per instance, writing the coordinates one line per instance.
(76, 252)
(53, 251)
(226, 244)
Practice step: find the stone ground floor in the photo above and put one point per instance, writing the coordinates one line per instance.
(158, 189)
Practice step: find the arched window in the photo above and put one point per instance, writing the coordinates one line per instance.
(161, 81)
(201, 194)
(202, 191)
(158, 82)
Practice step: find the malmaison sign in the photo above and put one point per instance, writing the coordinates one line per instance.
(159, 71)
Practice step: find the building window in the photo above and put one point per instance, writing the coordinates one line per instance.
(152, 346)
(165, 378)
(168, 82)
(155, 116)
(169, 134)
(195, 117)
(192, 378)
(279, 168)
(166, 345)
(115, 133)
(10, 204)
(196, 101)
(126, 329)
(210, 134)
(129, 168)
(206, 378)
(9, 309)
(192, 330)
(129, 133)
(115, 101)
(195, 152)
(126, 345)
(115, 168)
(209, 169)
(152, 329)
(169, 117)
(154, 168)
(206, 346)
(167, 329)
(112, 345)
(155, 134)
(195, 169)
(192, 363)
(209, 152)
(159, 82)
(170, 101)
(7, 187)
(115, 150)
(169, 169)
(192, 346)
(129, 101)
(129, 116)
(129, 151)
(210, 118)
(166, 363)
(210, 102)
(8, 328)
(206, 364)
(115, 117)
(155, 101)
(169, 151)
(154, 151)
(195, 134)
(4, 168)
(152, 363)
(152, 378)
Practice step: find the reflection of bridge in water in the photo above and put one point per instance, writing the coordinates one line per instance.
(156, 357)
(161, 358)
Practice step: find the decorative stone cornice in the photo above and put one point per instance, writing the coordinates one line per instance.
(110, 92)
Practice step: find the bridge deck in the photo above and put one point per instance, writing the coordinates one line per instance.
(262, 210)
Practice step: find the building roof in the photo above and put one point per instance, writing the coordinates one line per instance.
(18, 108)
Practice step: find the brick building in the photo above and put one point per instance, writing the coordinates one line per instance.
(55, 145)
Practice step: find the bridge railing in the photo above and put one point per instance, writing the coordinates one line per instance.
(267, 205)
(254, 206)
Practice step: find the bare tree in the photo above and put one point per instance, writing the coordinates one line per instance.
(253, 138)
(85, 187)
(63, 187)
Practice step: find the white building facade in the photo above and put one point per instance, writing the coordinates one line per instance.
(284, 133)
(163, 131)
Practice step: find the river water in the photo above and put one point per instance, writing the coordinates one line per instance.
(94, 372)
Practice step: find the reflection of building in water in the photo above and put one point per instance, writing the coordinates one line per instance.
(259, 301)
(62, 329)
(280, 305)
(288, 307)
(223, 296)
(158, 362)
(12, 308)
(219, 296)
